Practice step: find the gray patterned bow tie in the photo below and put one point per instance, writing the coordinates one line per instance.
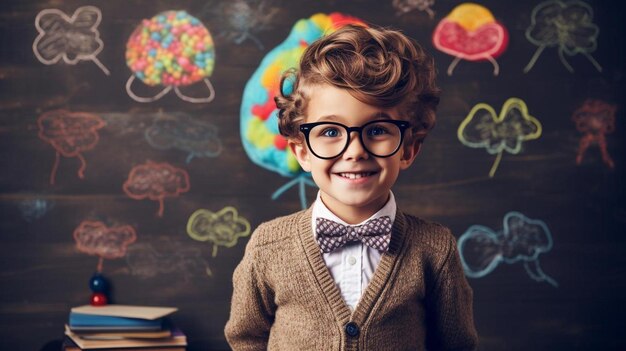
(375, 233)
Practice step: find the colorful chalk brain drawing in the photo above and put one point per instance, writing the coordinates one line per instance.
(222, 228)
(185, 133)
(156, 181)
(95, 238)
(259, 122)
(566, 25)
(595, 119)
(405, 6)
(70, 133)
(470, 32)
(522, 239)
(72, 39)
(172, 49)
(482, 128)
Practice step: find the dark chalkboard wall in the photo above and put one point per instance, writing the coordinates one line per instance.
(43, 273)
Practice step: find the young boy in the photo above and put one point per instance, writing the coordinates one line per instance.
(353, 271)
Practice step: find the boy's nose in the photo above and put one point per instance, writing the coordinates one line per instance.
(355, 148)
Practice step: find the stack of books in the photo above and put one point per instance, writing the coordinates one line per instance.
(122, 327)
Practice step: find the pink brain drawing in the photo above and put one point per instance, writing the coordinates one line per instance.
(156, 181)
(95, 238)
(70, 133)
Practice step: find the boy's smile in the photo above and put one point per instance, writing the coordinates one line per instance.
(355, 184)
(355, 177)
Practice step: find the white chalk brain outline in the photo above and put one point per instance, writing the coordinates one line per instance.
(69, 38)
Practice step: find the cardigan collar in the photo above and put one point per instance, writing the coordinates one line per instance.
(329, 289)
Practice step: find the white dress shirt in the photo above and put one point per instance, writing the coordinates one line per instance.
(353, 265)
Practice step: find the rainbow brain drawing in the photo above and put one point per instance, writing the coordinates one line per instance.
(470, 32)
(259, 122)
(482, 128)
(522, 239)
(172, 49)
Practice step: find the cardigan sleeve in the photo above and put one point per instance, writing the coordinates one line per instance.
(252, 306)
(449, 306)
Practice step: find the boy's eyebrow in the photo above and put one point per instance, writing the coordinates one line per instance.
(328, 118)
(377, 115)
(381, 115)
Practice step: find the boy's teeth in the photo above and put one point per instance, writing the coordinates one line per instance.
(354, 175)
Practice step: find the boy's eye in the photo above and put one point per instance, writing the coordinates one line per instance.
(377, 130)
(330, 132)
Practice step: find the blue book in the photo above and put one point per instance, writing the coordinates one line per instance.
(119, 318)
(81, 321)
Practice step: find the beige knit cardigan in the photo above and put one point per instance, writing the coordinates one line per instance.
(284, 297)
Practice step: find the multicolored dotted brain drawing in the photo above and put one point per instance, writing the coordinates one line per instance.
(470, 32)
(172, 49)
(259, 122)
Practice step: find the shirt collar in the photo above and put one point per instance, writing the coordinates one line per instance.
(321, 211)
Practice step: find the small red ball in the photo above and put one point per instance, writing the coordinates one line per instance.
(98, 299)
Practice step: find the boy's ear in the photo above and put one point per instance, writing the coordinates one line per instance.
(409, 153)
(302, 154)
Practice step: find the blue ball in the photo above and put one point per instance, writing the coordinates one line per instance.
(97, 283)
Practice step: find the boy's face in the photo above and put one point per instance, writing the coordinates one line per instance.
(355, 184)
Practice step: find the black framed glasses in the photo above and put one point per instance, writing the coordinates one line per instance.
(380, 138)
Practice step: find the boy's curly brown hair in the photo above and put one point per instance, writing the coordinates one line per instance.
(379, 67)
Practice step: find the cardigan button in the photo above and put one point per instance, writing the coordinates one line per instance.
(352, 329)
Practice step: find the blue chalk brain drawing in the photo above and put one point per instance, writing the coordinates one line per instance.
(182, 132)
(521, 240)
